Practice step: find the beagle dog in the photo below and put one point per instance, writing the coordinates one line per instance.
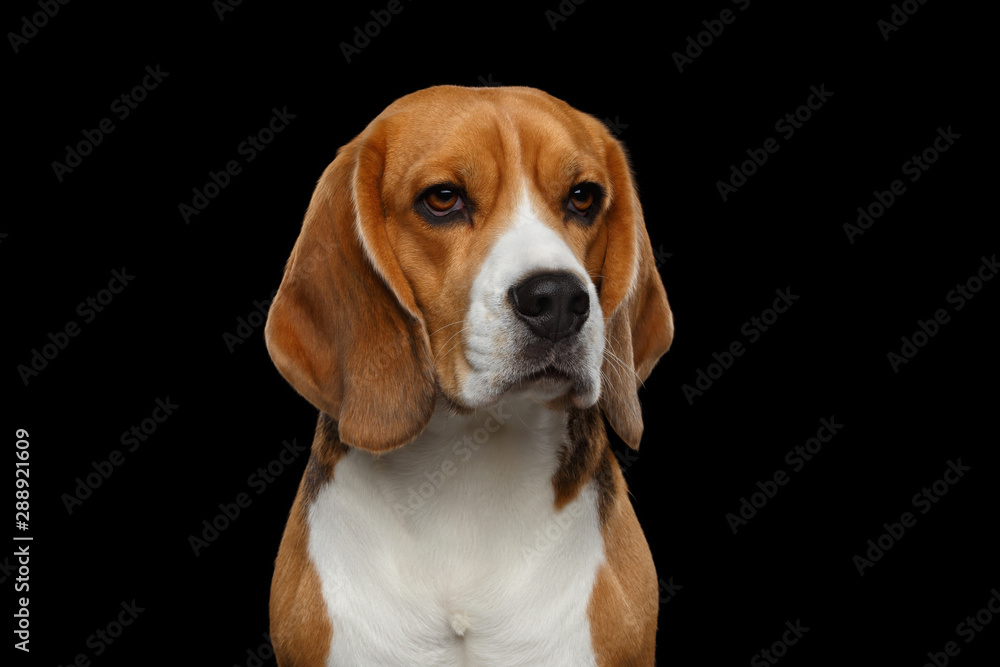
(471, 294)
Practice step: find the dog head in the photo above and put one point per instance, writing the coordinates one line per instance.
(469, 244)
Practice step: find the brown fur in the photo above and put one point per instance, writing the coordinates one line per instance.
(583, 457)
(367, 322)
(639, 323)
(624, 605)
(300, 628)
(365, 332)
(348, 339)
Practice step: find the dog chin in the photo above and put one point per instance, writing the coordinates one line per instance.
(548, 385)
(585, 395)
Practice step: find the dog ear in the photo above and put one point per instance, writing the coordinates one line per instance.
(344, 328)
(639, 325)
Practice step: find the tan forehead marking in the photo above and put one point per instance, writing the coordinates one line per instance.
(505, 146)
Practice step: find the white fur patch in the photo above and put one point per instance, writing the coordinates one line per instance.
(494, 335)
(459, 623)
(450, 552)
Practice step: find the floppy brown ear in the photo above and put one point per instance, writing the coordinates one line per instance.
(638, 323)
(344, 328)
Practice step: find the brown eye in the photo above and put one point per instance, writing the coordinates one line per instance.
(582, 198)
(443, 200)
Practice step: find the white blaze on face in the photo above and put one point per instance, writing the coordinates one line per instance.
(495, 336)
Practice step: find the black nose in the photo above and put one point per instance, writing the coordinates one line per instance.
(553, 305)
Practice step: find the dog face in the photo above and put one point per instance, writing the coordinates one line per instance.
(470, 244)
(497, 224)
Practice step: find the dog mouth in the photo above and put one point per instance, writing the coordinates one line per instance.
(532, 368)
(547, 376)
(550, 382)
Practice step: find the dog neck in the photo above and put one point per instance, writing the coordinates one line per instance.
(463, 528)
(475, 458)
(505, 454)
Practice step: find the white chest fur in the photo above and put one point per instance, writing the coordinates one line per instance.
(449, 551)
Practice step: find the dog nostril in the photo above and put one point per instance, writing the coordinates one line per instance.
(541, 305)
(553, 305)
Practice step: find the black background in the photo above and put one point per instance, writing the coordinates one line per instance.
(721, 262)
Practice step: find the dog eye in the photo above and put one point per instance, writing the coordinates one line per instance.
(441, 201)
(582, 199)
